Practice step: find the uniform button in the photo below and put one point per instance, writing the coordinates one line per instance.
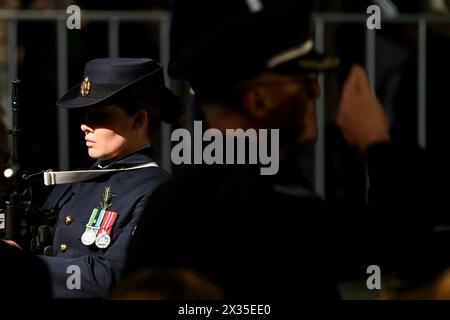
(68, 220)
(63, 247)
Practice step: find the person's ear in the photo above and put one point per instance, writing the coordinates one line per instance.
(140, 119)
(256, 102)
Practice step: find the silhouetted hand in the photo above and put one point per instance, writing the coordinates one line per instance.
(361, 117)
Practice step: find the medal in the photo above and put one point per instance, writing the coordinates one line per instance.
(88, 236)
(92, 227)
(100, 223)
(103, 238)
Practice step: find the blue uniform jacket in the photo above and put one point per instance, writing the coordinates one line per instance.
(99, 269)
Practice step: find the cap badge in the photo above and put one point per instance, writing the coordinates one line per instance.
(85, 87)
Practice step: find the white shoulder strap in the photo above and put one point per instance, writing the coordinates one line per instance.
(59, 177)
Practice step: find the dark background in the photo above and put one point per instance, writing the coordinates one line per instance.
(345, 174)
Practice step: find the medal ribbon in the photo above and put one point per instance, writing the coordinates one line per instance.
(108, 222)
(93, 225)
(99, 219)
(92, 218)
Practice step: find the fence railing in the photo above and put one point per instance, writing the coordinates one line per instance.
(114, 19)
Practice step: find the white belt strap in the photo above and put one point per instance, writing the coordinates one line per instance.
(59, 177)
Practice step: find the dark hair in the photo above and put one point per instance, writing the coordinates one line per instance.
(170, 107)
(162, 105)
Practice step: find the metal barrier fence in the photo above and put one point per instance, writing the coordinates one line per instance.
(114, 19)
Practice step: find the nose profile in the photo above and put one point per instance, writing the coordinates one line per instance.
(86, 129)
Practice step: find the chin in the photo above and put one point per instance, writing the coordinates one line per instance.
(95, 155)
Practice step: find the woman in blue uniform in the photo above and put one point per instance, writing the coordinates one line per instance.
(125, 100)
